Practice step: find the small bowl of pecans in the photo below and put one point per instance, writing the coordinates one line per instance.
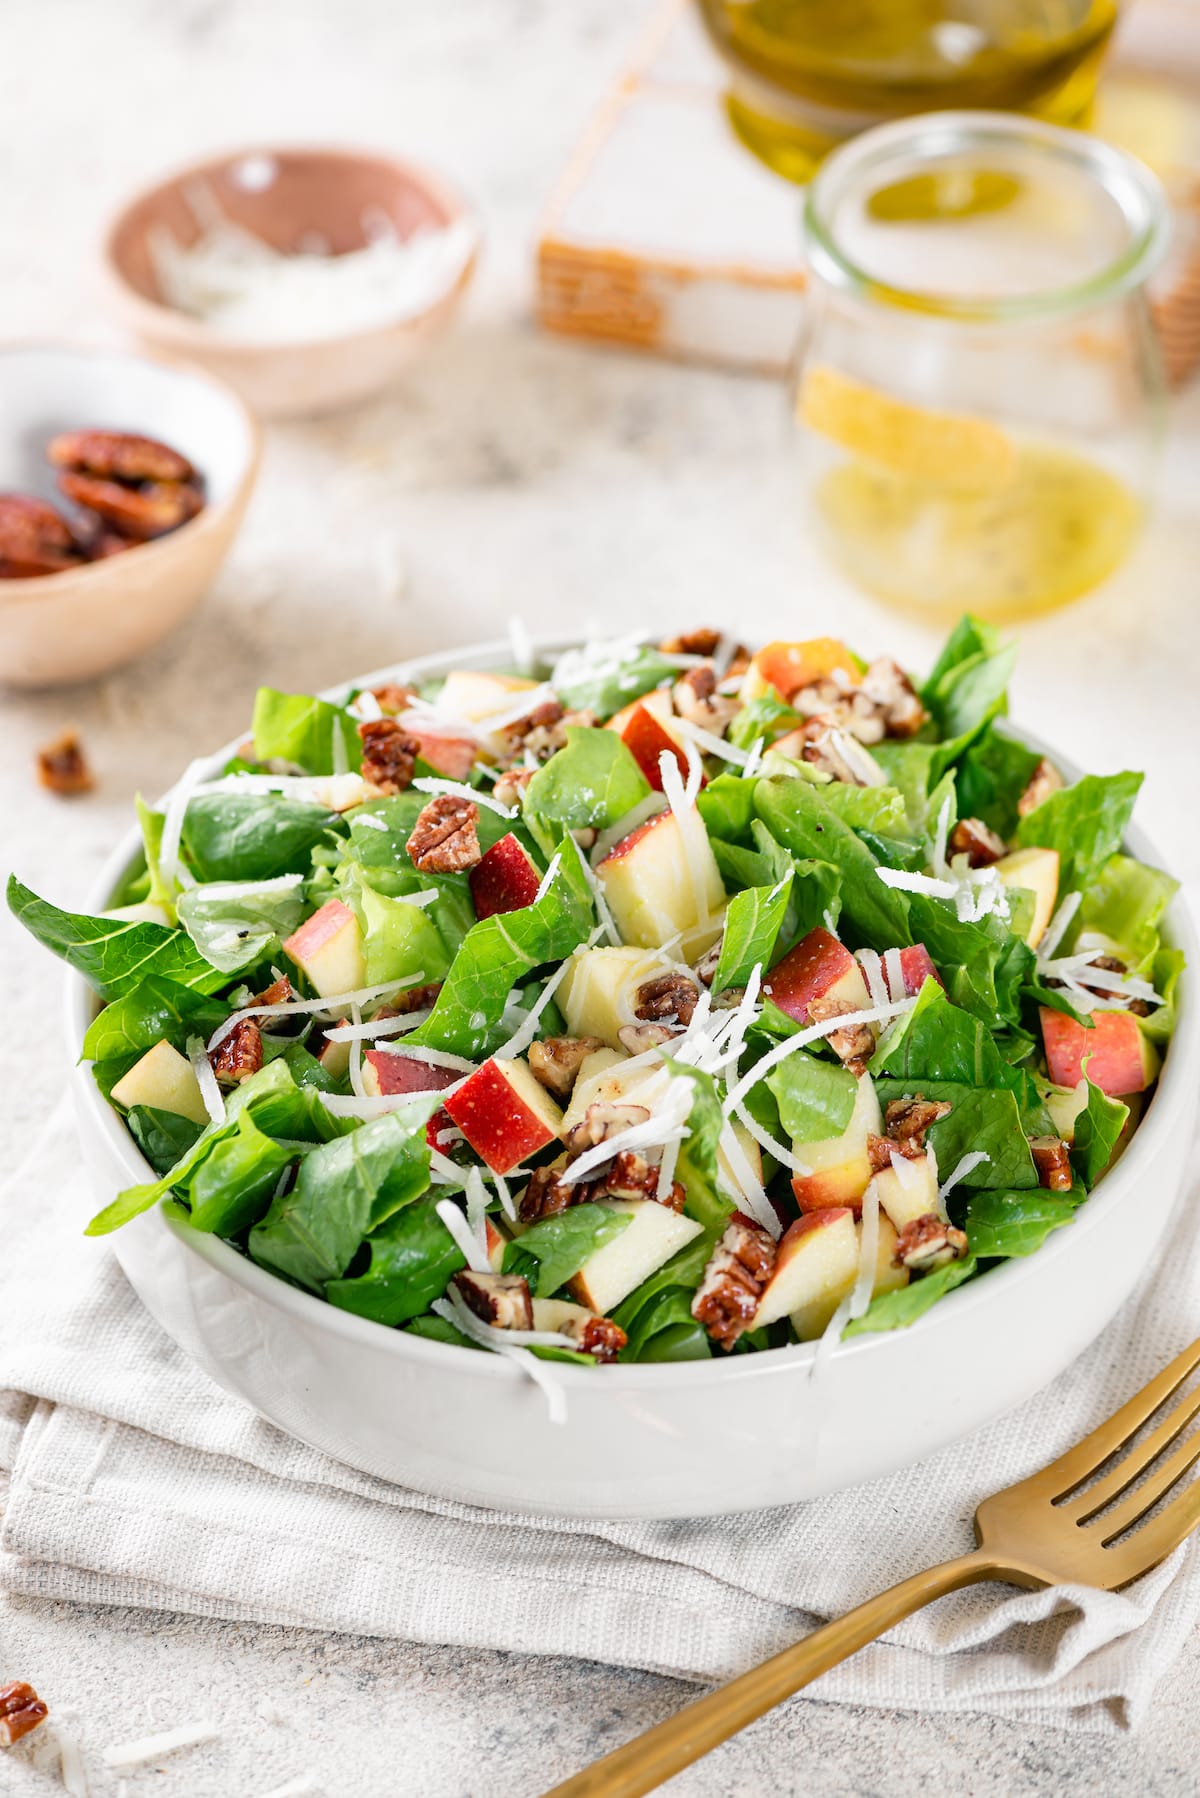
(123, 481)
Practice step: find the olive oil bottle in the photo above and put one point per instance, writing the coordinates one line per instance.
(804, 74)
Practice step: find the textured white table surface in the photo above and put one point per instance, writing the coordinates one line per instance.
(511, 473)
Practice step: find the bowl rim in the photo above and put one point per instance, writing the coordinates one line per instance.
(77, 580)
(1177, 1083)
(168, 323)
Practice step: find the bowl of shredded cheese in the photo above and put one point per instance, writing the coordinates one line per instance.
(306, 278)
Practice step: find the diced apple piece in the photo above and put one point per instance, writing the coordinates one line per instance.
(504, 1113)
(1120, 1058)
(819, 967)
(327, 949)
(784, 668)
(655, 1234)
(339, 792)
(1064, 1103)
(453, 757)
(908, 1190)
(144, 912)
(599, 1078)
(597, 990)
(838, 1167)
(166, 1080)
(646, 739)
(1034, 871)
(496, 1245)
(473, 697)
(657, 702)
(335, 1059)
(504, 879)
(888, 1277)
(816, 1266)
(387, 1071)
(917, 967)
(650, 879)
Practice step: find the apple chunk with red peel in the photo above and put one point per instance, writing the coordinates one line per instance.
(815, 1267)
(908, 1190)
(504, 1113)
(646, 739)
(652, 1236)
(651, 878)
(1033, 871)
(838, 1168)
(387, 1071)
(819, 967)
(504, 879)
(916, 965)
(596, 995)
(452, 757)
(1120, 1058)
(166, 1080)
(327, 949)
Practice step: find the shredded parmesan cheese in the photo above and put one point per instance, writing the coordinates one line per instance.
(473, 794)
(466, 1238)
(206, 1080)
(975, 1158)
(151, 1748)
(876, 1014)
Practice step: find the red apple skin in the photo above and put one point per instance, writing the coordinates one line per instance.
(807, 972)
(405, 1074)
(813, 1220)
(319, 929)
(836, 1189)
(646, 739)
(917, 966)
(504, 879)
(493, 1120)
(620, 850)
(1119, 1060)
(453, 757)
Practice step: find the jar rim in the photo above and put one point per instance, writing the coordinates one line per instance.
(1135, 190)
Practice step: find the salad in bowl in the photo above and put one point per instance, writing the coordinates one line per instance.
(661, 1003)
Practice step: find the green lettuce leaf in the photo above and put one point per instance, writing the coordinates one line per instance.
(799, 817)
(1085, 823)
(591, 783)
(968, 685)
(113, 954)
(295, 727)
(898, 1310)
(1097, 1128)
(991, 777)
(145, 1014)
(1125, 904)
(753, 920)
(1002, 1224)
(252, 836)
(231, 1187)
(696, 1167)
(604, 685)
(767, 718)
(163, 1136)
(982, 1118)
(234, 925)
(559, 1246)
(815, 1098)
(413, 1257)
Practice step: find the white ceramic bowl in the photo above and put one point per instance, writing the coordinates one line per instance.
(83, 622)
(656, 1441)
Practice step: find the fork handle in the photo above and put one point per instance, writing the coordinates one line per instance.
(649, 1759)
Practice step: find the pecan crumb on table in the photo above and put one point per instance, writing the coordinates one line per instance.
(63, 767)
(20, 1711)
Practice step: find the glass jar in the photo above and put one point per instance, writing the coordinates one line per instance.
(806, 74)
(979, 389)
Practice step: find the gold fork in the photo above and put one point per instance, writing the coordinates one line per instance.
(1033, 1534)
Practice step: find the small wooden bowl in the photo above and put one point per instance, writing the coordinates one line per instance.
(59, 628)
(285, 196)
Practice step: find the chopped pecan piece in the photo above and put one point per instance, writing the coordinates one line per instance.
(889, 689)
(879, 1152)
(603, 1119)
(849, 1043)
(705, 969)
(546, 1194)
(825, 744)
(388, 756)
(697, 698)
(510, 785)
(971, 837)
(907, 1120)
(1052, 1159)
(501, 1300)
(927, 1242)
(63, 767)
(637, 1038)
(556, 1060)
(239, 1054)
(392, 698)
(630, 1176)
(444, 838)
(707, 642)
(34, 538)
(668, 998)
(410, 998)
(738, 1269)
(1044, 780)
(20, 1711)
(278, 993)
(598, 1336)
(543, 730)
(118, 456)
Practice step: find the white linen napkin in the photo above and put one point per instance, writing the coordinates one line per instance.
(131, 1479)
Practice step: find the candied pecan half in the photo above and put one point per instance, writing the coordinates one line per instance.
(410, 998)
(444, 839)
(667, 998)
(510, 785)
(603, 1119)
(138, 512)
(889, 689)
(1052, 1160)
(20, 1711)
(499, 1299)
(556, 1060)
(239, 1054)
(34, 538)
(981, 846)
(705, 969)
(637, 1038)
(388, 755)
(598, 1336)
(630, 1176)
(118, 455)
(927, 1242)
(697, 698)
(546, 1194)
(1044, 780)
(907, 1120)
(278, 993)
(849, 1043)
(820, 746)
(63, 767)
(738, 1269)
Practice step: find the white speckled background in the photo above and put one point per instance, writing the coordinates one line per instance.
(511, 472)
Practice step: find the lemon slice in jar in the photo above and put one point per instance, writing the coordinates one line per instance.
(944, 449)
